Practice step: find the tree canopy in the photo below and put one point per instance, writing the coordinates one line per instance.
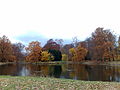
(102, 45)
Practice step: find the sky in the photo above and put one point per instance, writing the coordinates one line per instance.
(28, 20)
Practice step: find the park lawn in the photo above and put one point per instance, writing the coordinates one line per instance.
(42, 83)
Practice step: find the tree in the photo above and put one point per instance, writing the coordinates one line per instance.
(18, 50)
(57, 55)
(46, 56)
(60, 42)
(73, 54)
(34, 51)
(51, 45)
(78, 53)
(6, 51)
(54, 49)
(75, 41)
(64, 57)
(65, 50)
(89, 45)
(104, 43)
(117, 50)
(81, 53)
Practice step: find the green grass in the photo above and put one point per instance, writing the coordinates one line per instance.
(41, 83)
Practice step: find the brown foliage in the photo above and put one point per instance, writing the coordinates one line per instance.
(65, 50)
(18, 48)
(34, 51)
(6, 51)
(104, 43)
(51, 45)
(60, 42)
(78, 53)
(81, 53)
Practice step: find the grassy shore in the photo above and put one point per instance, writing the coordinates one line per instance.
(109, 63)
(41, 83)
(85, 62)
(5, 63)
(53, 62)
(112, 63)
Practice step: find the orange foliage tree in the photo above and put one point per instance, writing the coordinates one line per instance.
(104, 44)
(78, 53)
(6, 51)
(81, 53)
(34, 51)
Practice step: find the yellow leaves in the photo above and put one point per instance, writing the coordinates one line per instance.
(78, 53)
(72, 51)
(45, 56)
(35, 53)
(64, 57)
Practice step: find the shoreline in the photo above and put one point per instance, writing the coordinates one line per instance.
(5, 63)
(85, 62)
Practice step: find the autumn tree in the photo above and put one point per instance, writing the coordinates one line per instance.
(119, 46)
(46, 56)
(73, 54)
(51, 45)
(18, 50)
(64, 57)
(54, 48)
(6, 50)
(104, 42)
(81, 52)
(34, 51)
(89, 45)
(117, 49)
(119, 42)
(65, 50)
(78, 53)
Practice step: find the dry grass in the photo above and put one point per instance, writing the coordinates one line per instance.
(112, 63)
(40, 83)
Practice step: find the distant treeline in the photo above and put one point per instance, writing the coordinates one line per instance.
(103, 45)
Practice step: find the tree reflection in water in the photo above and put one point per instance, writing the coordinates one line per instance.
(57, 71)
(69, 71)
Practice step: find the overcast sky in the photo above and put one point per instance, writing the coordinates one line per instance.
(27, 20)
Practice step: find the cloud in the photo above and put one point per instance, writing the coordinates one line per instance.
(36, 36)
(31, 36)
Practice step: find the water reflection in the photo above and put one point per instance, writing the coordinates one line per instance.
(70, 71)
(57, 71)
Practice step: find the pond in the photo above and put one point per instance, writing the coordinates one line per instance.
(68, 71)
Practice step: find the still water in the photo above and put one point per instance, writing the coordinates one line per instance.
(68, 71)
